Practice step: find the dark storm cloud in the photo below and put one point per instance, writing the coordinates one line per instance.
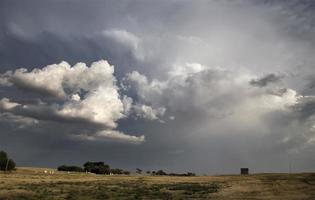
(305, 107)
(265, 80)
(187, 65)
(35, 33)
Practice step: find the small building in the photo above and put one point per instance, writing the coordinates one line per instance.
(244, 171)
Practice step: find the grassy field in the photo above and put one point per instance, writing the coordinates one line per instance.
(33, 183)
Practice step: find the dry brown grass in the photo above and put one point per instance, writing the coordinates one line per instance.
(32, 183)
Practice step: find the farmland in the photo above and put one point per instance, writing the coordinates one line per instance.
(33, 183)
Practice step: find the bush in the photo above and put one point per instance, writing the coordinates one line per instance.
(161, 173)
(70, 168)
(117, 171)
(186, 174)
(5, 162)
(126, 172)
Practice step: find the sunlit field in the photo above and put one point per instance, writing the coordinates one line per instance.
(34, 183)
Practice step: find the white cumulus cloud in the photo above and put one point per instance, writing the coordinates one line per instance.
(83, 94)
(112, 135)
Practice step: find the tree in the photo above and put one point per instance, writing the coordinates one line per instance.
(191, 174)
(97, 167)
(70, 168)
(148, 172)
(138, 171)
(88, 166)
(6, 164)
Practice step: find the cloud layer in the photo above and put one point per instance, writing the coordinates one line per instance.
(209, 86)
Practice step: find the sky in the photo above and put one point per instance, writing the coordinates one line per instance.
(180, 85)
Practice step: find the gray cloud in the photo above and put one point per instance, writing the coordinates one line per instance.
(265, 80)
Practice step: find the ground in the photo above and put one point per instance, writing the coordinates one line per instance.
(33, 183)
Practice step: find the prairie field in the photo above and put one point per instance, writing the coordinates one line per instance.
(33, 183)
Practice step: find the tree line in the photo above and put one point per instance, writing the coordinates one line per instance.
(93, 167)
(102, 168)
(163, 173)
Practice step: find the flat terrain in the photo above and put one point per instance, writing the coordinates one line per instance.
(33, 183)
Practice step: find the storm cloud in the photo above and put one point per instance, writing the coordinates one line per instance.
(264, 81)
